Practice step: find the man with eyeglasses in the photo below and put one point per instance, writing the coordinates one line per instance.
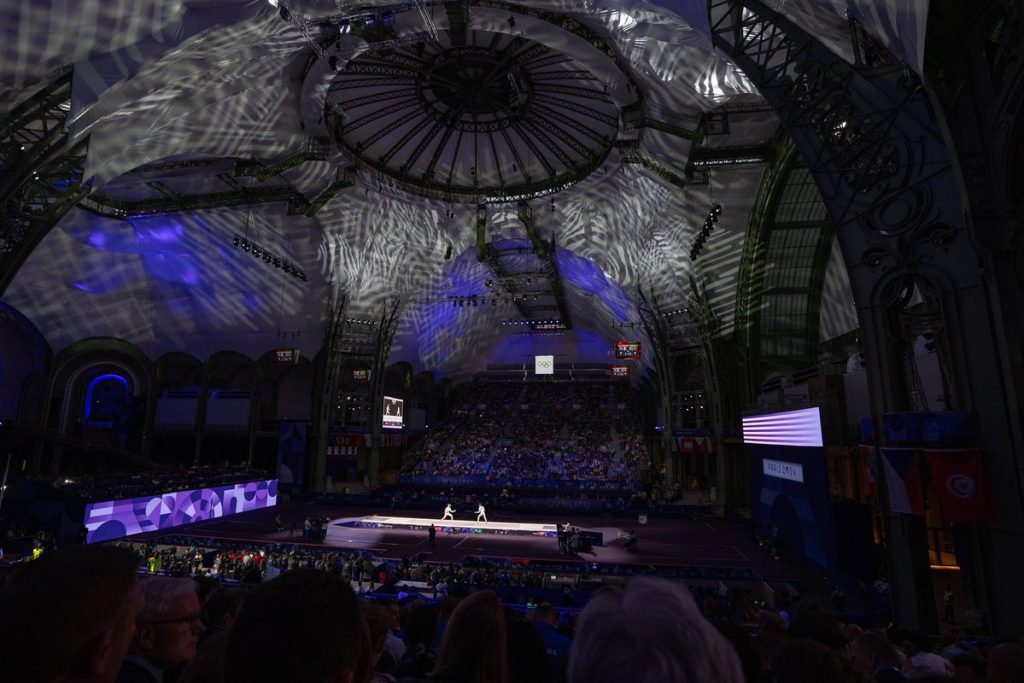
(69, 616)
(166, 630)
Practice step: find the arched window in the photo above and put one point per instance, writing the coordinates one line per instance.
(107, 401)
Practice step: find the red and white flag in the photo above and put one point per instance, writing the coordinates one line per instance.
(960, 480)
(868, 469)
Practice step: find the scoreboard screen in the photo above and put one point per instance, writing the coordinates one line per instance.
(620, 371)
(627, 350)
(286, 356)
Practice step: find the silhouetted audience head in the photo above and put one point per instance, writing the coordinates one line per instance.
(872, 651)
(305, 625)
(812, 624)
(421, 624)
(208, 664)
(474, 646)
(377, 620)
(1006, 663)
(420, 631)
(546, 612)
(969, 669)
(802, 661)
(771, 629)
(221, 607)
(69, 615)
(746, 650)
(168, 627)
(649, 632)
(527, 657)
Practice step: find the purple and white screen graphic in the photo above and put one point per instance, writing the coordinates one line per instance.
(115, 519)
(792, 428)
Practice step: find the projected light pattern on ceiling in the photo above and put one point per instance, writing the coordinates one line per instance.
(165, 283)
(475, 112)
(173, 84)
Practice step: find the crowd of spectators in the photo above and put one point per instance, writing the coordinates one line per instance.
(567, 583)
(460, 446)
(535, 434)
(85, 614)
(100, 487)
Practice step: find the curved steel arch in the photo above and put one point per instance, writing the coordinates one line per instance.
(889, 176)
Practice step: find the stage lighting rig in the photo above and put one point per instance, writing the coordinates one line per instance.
(673, 313)
(705, 231)
(270, 259)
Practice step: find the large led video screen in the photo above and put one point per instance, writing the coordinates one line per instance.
(628, 350)
(543, 365)
(789, 484)
(394, 413)
(791, 428)
(113, 519)
(620, 371)
(287, 356)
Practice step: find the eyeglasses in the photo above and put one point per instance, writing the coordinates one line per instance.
(192, 620)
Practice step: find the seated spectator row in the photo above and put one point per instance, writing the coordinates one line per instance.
(136, 484)
(84, 614)
(517, 433)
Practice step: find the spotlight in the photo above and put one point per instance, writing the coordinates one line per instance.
(235, 241)
(245, 245)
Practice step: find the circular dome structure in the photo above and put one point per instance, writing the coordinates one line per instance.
(476, 114)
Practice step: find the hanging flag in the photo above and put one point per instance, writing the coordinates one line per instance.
(868, 468)
(903, 476)
(690, 445)
(960, 480)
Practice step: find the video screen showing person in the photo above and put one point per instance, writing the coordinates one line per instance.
(394, 413)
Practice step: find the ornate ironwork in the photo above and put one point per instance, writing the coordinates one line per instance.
(499, 97)
(549, 265)
(35, 206)
(869, 136)
(42, 178)
(386, 329)
(878, 152)
(113, 207)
